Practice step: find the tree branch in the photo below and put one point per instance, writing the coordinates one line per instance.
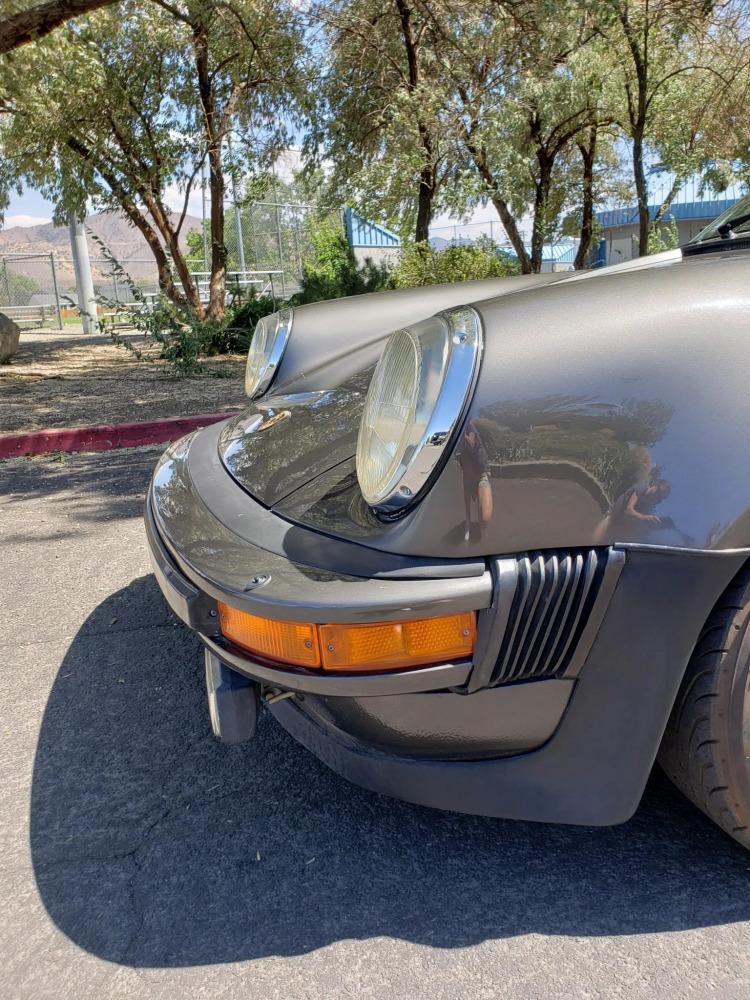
(29, 25)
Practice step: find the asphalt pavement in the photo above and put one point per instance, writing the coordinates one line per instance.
(139, 858)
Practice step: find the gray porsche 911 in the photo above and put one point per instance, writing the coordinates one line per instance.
(486, 546)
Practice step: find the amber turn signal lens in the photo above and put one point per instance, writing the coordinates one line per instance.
(397, 645)
(374, 646)
(289, 642)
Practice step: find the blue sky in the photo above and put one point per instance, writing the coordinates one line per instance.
(28, 209)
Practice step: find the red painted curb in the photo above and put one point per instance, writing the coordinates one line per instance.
(101, 437)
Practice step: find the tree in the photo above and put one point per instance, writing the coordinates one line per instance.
(662, 56)
(24, 23)
(524, 93)
(705, 125)
(124, 107)
(595, 177)
(379, 119)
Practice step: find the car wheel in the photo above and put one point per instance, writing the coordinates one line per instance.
(706, 746)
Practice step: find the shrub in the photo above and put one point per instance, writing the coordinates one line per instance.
(184, 339)
(332, 270)
(422, 264)
(663, 236)
(18, 288)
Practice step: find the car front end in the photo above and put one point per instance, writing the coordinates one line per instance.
(466, 564)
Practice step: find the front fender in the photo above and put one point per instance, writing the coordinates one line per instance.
(591, 389)
(332, 340)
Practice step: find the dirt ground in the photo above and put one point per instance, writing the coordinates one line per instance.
(69, 379)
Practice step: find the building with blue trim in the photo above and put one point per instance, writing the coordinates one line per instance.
(692, 209)
(369, 239)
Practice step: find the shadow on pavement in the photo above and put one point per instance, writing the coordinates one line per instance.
(92, 488)
(153, 845)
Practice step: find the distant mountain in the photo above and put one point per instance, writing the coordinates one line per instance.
(112, 229)
(123, 241)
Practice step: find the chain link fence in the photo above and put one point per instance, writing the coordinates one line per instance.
(469, 232)
(268, 243)
(269, 237)
(110, 287)
(29, 289)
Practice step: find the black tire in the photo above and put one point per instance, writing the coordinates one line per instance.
(706, 746)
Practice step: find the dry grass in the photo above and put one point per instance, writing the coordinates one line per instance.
(67, 379)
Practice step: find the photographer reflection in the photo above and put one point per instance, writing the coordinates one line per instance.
(472, 457)
(631, 517)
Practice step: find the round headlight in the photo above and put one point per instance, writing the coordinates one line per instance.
(417, 395)
(267, 348)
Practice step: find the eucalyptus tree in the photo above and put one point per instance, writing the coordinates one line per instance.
(702, 128)
(121, 109)
(379, 117)
(525, 91)
(672, 82)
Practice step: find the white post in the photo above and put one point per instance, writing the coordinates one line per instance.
(56, 290)
(84, 281)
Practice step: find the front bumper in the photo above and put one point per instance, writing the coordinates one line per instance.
(574, 748)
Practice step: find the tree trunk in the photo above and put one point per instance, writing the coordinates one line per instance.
(189, 296)
(163, 221)
(501, 206)
(427, 185)
(538, 229)
(509, 224)
(424, 205)
(219, 253)
(641, 191)
(588, 156)
(427, 176)
(541, 201)
(28, 25)
(667, 203)
(192, 294)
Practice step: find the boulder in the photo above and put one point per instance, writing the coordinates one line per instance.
(9, 334)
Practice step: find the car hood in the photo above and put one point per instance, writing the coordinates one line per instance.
(310, 424)
(279, 446)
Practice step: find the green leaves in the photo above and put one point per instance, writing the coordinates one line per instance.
(421, 264)
(120, 110)
(331, 270)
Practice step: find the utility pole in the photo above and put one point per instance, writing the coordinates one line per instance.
(84, 281)
(278, 231)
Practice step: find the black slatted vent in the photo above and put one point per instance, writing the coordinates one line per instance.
(555, 594)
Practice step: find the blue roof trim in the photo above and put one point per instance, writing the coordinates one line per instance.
(362, 233)
(708, 209)
(554, 253)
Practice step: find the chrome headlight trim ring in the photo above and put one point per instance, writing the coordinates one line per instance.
(450, 348)
(258, 381)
